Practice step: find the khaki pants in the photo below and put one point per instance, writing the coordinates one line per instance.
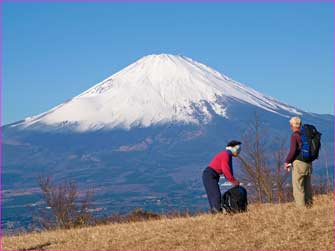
(302, 185)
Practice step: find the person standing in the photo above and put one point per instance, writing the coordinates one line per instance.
(301, 170)
(220, 164)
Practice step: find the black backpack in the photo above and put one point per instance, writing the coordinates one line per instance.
(235, 200)
(310, 143)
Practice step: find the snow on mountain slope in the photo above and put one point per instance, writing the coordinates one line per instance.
(154, 90)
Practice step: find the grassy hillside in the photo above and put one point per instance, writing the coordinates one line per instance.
(265, 227)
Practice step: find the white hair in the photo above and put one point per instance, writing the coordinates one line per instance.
(295, 122)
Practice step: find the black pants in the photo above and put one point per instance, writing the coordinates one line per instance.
(210, 178)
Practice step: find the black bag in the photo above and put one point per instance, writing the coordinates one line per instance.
(311, 143)
(235, 200)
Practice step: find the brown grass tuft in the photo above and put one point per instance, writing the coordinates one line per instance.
(265, 226)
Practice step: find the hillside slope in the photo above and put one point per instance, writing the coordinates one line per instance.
(264, 227)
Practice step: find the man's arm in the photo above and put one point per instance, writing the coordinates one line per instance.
(293, 149)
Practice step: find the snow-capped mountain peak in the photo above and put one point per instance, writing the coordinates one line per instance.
(156, 89)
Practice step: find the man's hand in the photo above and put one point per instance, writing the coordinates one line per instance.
(235, 183)
(287, 166)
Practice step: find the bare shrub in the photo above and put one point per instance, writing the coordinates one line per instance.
(67, 209)
(263, 165)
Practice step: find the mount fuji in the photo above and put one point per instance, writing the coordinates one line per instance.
(142, 136)
(156, 89)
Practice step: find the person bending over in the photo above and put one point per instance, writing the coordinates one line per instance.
(220, 164)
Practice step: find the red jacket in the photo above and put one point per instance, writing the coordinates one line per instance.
(222, 164)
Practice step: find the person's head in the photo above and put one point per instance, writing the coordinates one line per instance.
(235, 147)
(295, 124)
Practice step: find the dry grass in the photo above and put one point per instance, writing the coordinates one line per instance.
(265, 227)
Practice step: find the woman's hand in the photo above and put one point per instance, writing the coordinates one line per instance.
(235, 183)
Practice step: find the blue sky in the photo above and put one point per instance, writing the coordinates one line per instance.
(54, 51)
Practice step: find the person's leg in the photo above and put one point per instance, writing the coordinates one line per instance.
(206, 181)
(308, 186)
(210, 180)
(298, 180)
